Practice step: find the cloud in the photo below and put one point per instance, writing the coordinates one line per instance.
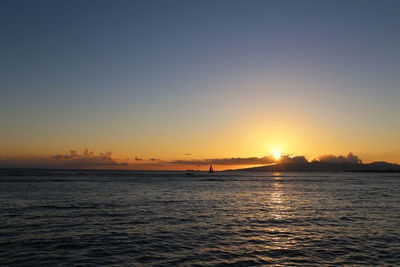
(86, 155)
(350, 158)
(87, 158)
(90, 160)
(187, 154)
(285, 159)
(226, 161)
(70, 160)
(295, 159)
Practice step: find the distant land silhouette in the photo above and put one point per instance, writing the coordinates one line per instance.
(318, 166)
(284, 162)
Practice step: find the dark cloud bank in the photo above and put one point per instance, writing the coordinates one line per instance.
(90, 160)
(267, 160)
(225, 161)
(86, 160)
(329, 162)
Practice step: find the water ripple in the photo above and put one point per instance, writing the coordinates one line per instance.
(69, 218)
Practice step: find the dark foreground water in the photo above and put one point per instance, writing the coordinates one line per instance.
(69, 218)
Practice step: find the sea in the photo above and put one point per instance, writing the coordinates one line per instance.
(152, 218)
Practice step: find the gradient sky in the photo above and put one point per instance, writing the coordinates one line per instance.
(160, 79)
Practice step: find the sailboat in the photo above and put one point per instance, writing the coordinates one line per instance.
(211, 169)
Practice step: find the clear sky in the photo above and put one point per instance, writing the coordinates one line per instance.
(213, 79)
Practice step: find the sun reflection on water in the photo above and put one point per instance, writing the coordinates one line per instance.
(278, 215)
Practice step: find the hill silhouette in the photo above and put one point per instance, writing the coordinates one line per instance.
(318, 166)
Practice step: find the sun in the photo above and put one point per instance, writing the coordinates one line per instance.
(276, 154)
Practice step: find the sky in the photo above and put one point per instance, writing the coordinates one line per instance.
(155, 82)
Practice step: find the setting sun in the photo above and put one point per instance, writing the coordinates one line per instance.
(276, 154)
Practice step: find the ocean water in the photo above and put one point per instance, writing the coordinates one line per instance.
(69, 218)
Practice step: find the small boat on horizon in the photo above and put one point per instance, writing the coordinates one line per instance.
(211, 169)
